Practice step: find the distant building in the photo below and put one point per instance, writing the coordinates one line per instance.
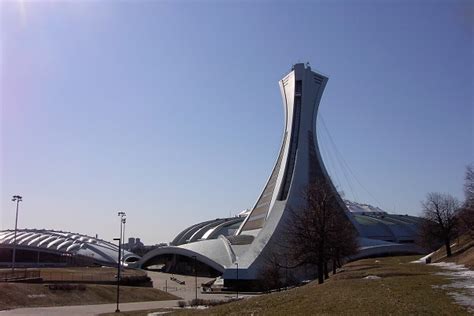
(133, 243)
(136, 246)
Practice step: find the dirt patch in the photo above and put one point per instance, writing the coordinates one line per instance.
(15, 295)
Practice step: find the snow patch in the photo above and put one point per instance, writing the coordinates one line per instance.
(372, 277)
(423, 259)
(197, 307)
(462, 284)
(355, 207)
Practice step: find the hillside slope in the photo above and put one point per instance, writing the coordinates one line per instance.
(462, 250)
(397, 287)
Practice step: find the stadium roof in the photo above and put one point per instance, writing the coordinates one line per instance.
(100, 251)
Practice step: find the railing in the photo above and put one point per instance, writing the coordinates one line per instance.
(59, 275)
(77, 276)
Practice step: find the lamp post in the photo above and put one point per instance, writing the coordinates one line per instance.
(195, 278)
(117, 310)
(122, 218)
(237, 284)
(122, 231)
(17, 199)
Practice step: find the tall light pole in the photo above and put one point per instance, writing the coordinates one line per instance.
(122, 232)
(117, 310)
(122, 218)
(17, 199)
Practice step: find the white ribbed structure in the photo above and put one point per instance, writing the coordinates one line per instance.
(59, 242)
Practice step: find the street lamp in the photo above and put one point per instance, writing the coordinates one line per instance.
(122, 222)
(237, 284)
(122, 231)
(17, 199)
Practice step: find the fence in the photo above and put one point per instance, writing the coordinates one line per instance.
(60, 275)
(82, 276)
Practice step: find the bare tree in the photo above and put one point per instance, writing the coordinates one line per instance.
(320, 231)
(466, 214)
(343, 241)
(271, 272)
(469, 185)
(440, 224)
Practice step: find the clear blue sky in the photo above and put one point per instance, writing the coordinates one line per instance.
(171, 111)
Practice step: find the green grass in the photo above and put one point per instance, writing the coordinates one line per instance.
(404, 289)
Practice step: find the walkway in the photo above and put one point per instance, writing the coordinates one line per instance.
(187, 291)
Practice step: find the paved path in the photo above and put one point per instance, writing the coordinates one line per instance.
(186, 291)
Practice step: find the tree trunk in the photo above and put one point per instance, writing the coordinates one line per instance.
(326, 272)
(448, 247)
(334, 266)
(320, 271)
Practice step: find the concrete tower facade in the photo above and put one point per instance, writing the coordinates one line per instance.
(299, 164)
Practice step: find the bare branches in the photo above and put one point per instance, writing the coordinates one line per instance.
(469, 186)
(466, 215)
(439, 212)
(320, 231)
(316, 234)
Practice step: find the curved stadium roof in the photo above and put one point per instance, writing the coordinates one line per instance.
(208, 230)
(214, 241)
(59, 242)
(370, 221)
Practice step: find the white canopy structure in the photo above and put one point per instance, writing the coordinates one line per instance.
(43, 246)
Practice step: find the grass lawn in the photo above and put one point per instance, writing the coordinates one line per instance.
(404, 289)
(15, 295)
